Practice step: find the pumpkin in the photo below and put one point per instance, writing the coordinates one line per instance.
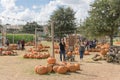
(77, 65)
(103, 52)
(31, 56)
(47, 55)
(49, 68)
(8, 52)
(55, 68)
(106, 50)
(63, 63)
(25, 56)
(86, 53)
(41, 70)
(1, 49)
(69, 53)
(71, 67)
(38, 57)
(34, 52)
(61, 69)
(29, 50)
(51, 60)
(36, 68)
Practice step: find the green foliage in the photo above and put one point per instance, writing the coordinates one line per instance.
(1, 26)
(64, 21)
(104, 19)
(30, 27)
(26, 37)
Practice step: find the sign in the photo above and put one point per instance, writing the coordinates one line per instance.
(71, 40)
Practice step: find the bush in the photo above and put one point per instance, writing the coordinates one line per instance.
(26, 37)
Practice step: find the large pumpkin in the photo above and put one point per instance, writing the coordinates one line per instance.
(51, 60)
(62, 69)
(55, 67)
(86, 53)
(77, 65)
(49, 68)
(103, 52)
(69, 53)
(71, 67)
(25, 56)
(8, 52)
(41, 70)
(36, 68)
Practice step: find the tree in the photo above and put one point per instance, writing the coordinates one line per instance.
(1, 26)
(64, 21)
(30, 27)
(104, 18)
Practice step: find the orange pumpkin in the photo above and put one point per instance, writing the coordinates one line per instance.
(77, 65)
(1, 49)
(103, 52)
(71, 67)
(8, 52)
(51, 60)
(49, 68)
(69, 53)
(62, 70)
(36, 67)
(55, 68)
(106, 50)
(25, 56)
(41, 70)
(86, 53)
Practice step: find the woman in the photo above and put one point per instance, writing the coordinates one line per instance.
(62, 49)
(82, 50)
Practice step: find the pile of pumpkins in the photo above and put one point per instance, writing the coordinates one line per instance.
(37, 55)
(6, 53)
(52, 66)
(70, 53)
(56, 48)
(29, 44)
(41, 48)
(12, 47)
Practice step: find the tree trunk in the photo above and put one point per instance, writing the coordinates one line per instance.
(111, 40)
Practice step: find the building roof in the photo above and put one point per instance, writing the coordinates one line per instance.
(13, 26)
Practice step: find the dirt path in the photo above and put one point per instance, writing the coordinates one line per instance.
(17, 68)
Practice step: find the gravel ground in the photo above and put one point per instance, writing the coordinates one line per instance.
(18, 68)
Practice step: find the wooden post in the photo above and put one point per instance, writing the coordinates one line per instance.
(52, 34)
(13, 37)
(35, 38)
(75, 37)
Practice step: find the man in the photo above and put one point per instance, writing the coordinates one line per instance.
(62, 49)
(7, 42)
(23, 44)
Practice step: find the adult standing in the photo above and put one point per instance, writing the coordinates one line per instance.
(23, 44)
(62, 49)
(81, 50)
(7, 42)
(18, 44)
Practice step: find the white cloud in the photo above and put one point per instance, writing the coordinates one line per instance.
(8, 4)
(34, 7)
(46, 11)
(12, 10)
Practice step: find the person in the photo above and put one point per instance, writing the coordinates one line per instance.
(81, 50)
(23, 44)
(62, 49)
(18, 43)
(94, 43)
(7, 42)
(87, 44)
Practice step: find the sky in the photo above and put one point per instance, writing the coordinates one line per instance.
(22, 11)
